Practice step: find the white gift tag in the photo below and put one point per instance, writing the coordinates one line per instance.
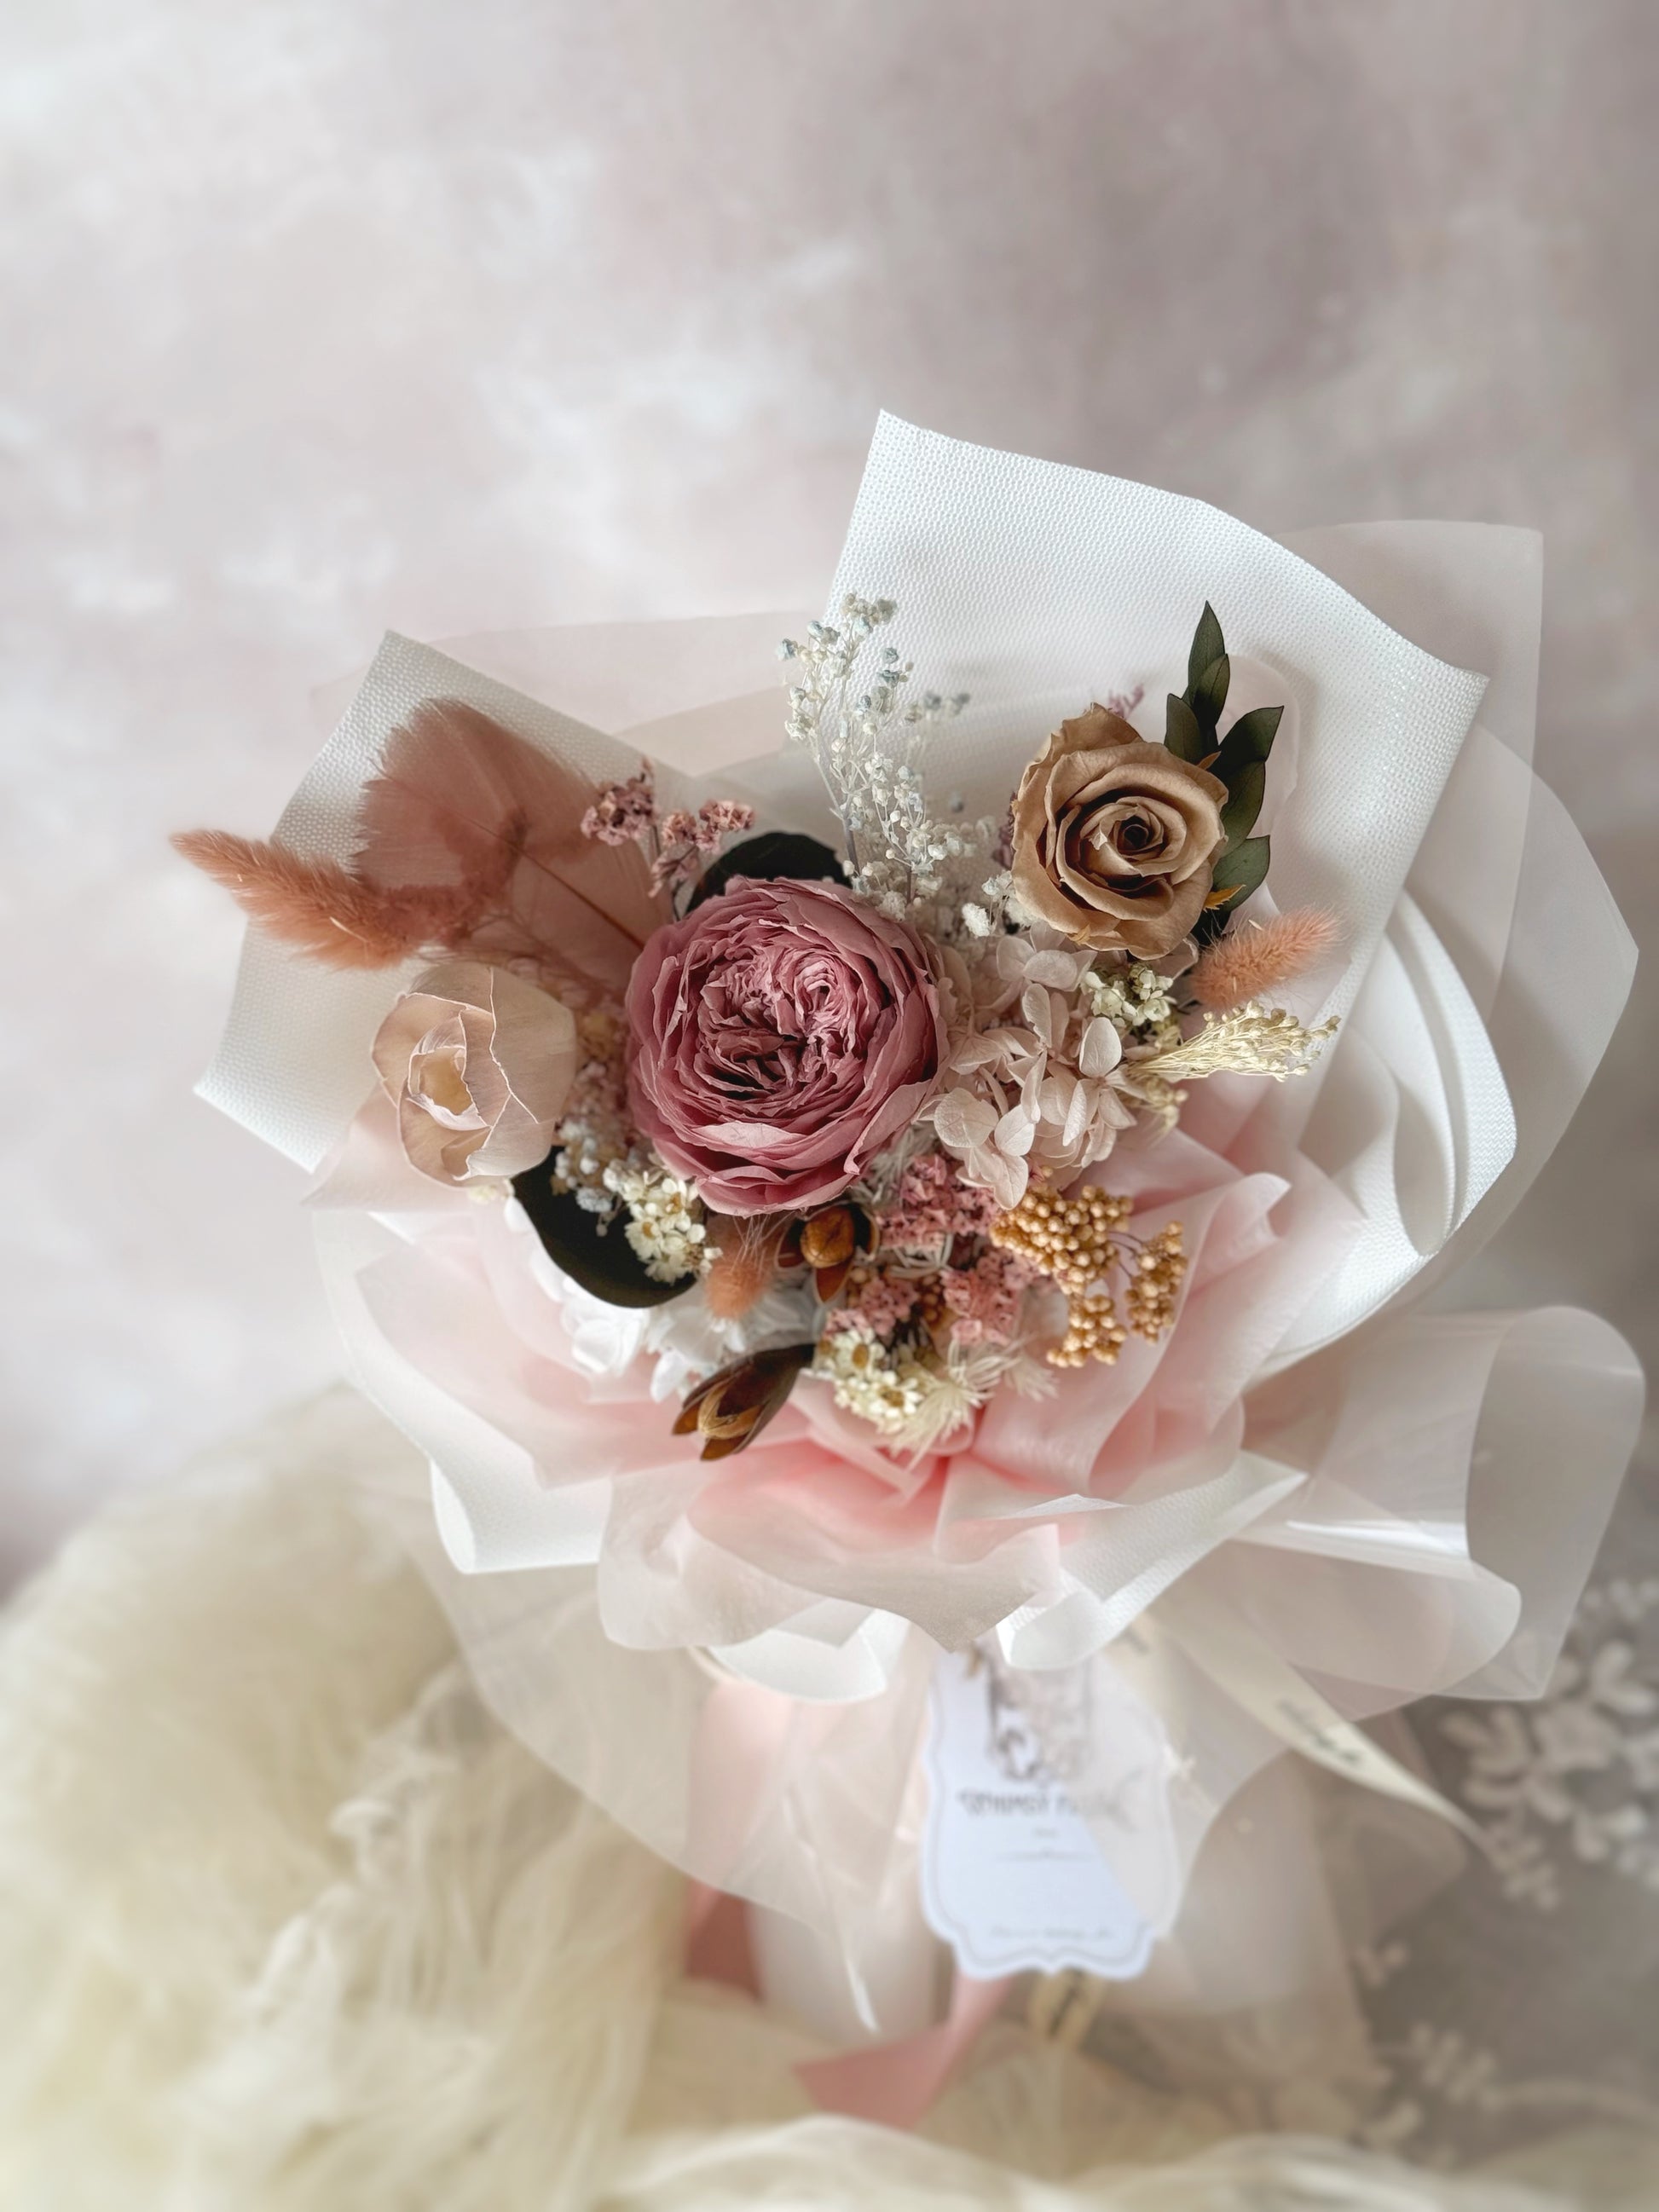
(1022, 1777)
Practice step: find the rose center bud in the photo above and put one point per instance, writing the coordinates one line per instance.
(439, 1080)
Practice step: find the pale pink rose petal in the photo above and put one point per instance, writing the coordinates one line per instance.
(478, 1064)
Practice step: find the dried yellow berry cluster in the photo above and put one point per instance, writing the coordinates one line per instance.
(1093, 1331)
(1077, 1242)
(1074, 1239)
(1154, 1283)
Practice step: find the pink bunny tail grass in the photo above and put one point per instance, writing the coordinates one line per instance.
(1256, 958)
(747, 1261)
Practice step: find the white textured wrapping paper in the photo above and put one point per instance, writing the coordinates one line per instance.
(1031, 585)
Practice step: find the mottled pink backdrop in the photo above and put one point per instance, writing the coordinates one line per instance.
(324, 316)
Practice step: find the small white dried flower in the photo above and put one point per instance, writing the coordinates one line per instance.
(665, 1225)
(864, 742)
(880, 1383)
(1134, 998)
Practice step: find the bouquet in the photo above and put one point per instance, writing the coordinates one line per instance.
(936, 1214)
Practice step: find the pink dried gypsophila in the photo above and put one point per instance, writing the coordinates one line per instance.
(933, 1205)
(986, 1297)
(623, 812)
(721, 817)
(881, 1301)
(677, 862)
(687, 837)
(1256, 958)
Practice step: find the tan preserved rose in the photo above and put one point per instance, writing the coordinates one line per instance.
(1114, 839)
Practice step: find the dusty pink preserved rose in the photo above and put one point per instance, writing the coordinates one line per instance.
(782, 1035)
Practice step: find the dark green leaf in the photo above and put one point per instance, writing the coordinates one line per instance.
(597, 1256)
(1208, 646)
(1208, 696)
(1181, 734)
(1240, 872)
(1250, 738)
(1245, 794)
(1210, 925)
(774, 855)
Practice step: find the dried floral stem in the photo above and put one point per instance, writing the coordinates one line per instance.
(863, 743)
(1246, 1040)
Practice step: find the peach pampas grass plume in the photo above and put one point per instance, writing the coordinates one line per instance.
(471, 839)
(317, 906)
(312, 905)
(1256, 958)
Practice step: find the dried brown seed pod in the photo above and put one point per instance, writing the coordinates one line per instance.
(830, 1237)
(828, 1242)
(736, 1403)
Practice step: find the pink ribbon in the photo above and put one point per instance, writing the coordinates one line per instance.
(892, 2084)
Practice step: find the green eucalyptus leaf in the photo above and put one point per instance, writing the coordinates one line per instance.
(594, 1253)
(1240, 872)
(1250, 738)
(1208, 696)
(1181, 735)
(1245, 794)
(1209, 646)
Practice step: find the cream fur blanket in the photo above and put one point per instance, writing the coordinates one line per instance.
(288, 1922)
